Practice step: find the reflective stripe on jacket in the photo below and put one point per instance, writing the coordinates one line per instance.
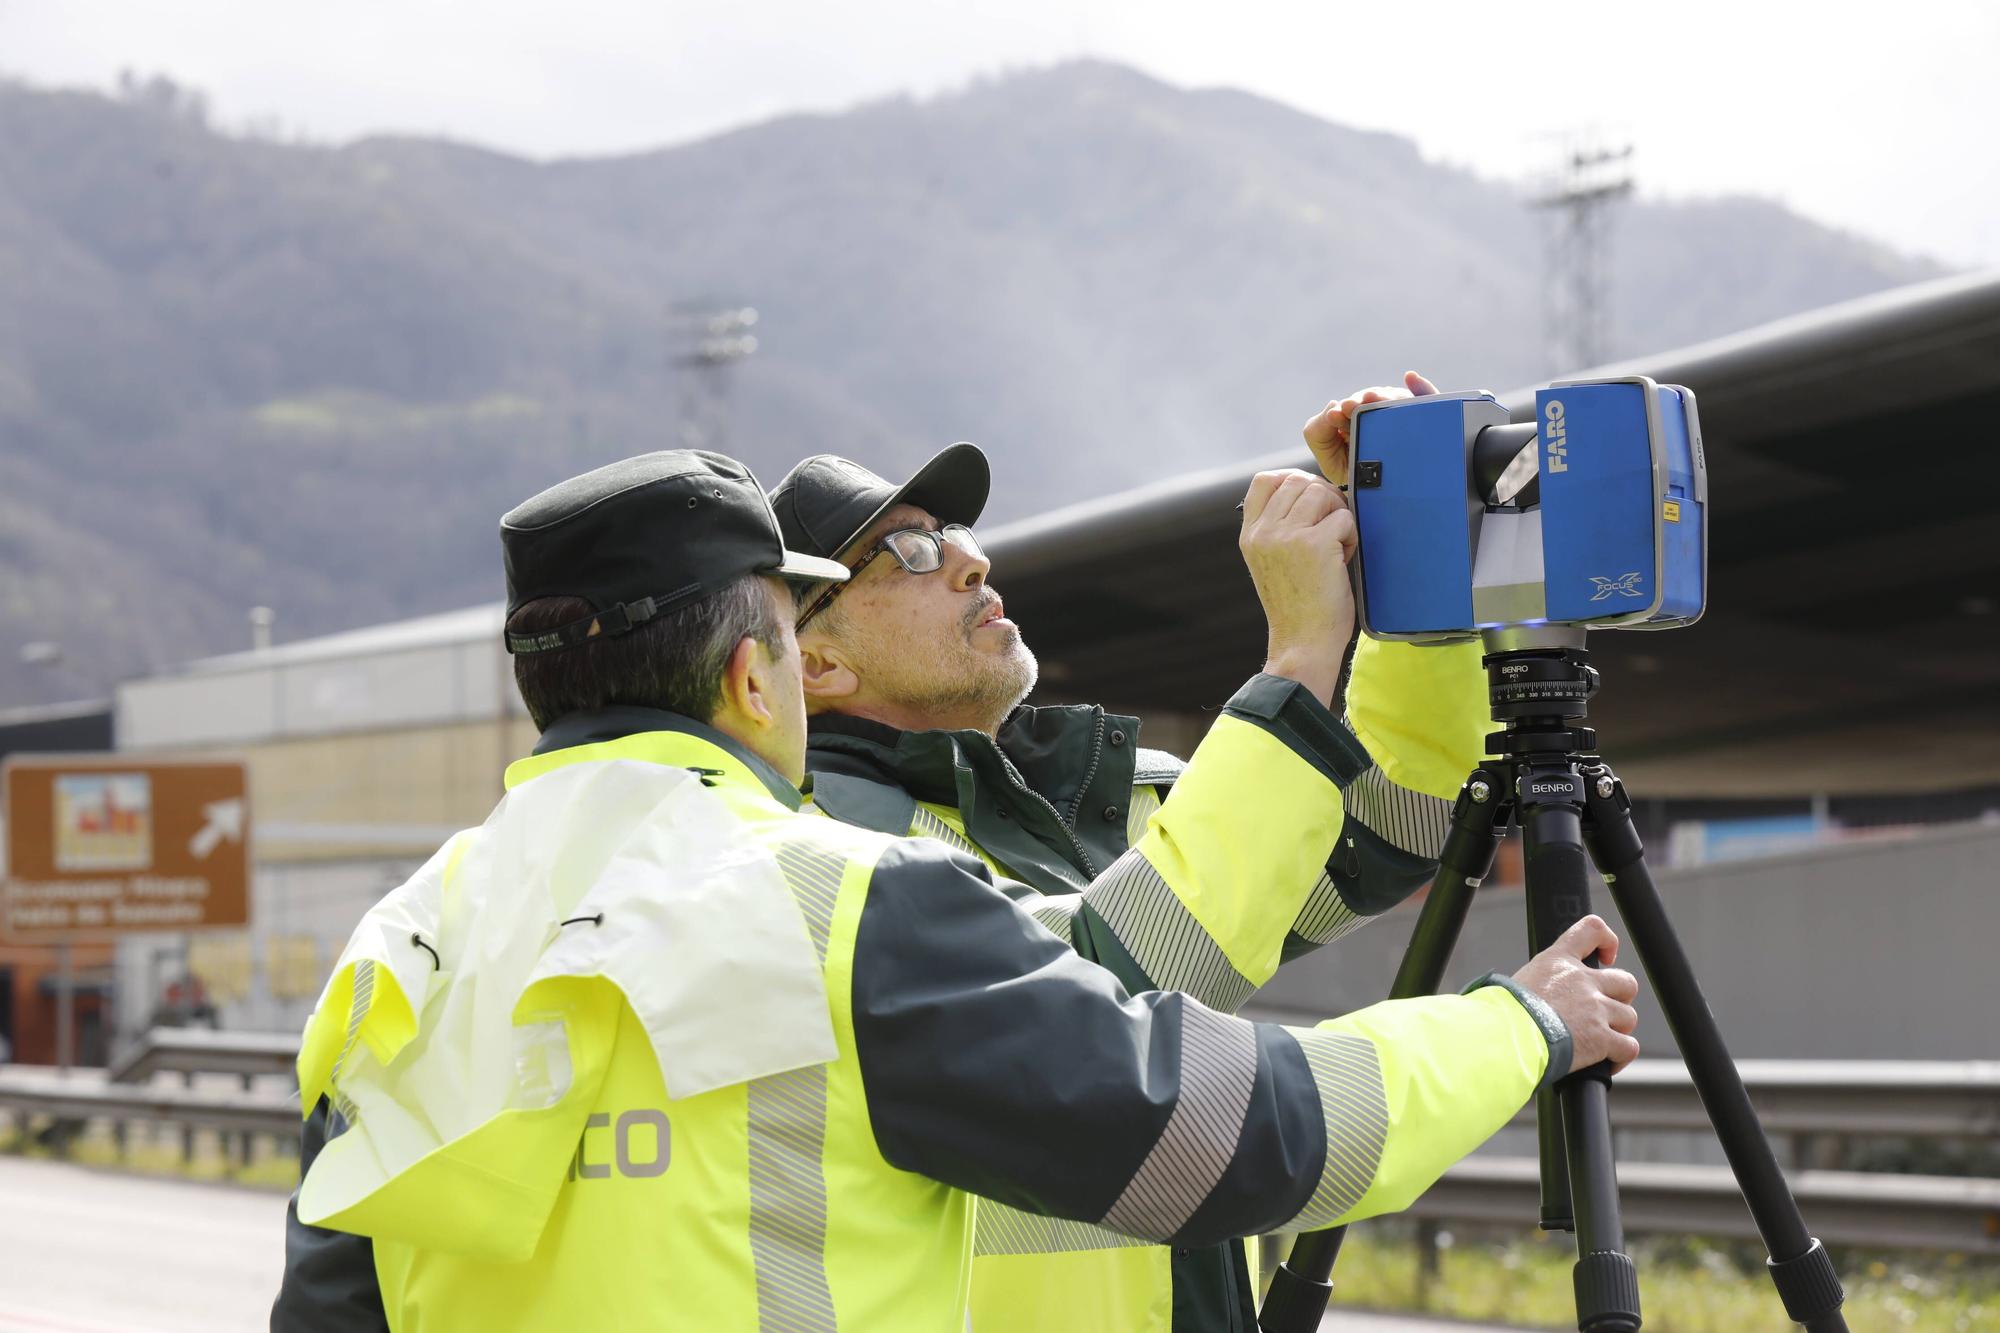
(1285, 832)
(973, 1054)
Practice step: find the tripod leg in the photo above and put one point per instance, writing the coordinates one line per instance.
(1579, 1173)
(1303, 1283)
(1606, 1281)
(1800, 1267)
(1463, 865)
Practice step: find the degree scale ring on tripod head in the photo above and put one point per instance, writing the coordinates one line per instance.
(1552, 691)
(1531, 683)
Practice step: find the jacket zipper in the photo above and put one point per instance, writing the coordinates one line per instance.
(1089, 866)
(1089, 774)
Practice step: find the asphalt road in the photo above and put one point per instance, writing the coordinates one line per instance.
(87, 1251)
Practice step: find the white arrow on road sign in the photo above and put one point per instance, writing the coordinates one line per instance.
(225, 820)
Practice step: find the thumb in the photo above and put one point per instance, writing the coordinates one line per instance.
(1417, 384)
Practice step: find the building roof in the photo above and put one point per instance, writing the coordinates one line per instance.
(444, 629)
(56, 728)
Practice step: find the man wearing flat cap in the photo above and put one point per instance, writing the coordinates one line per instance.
(1200, 876)
(651, 1049)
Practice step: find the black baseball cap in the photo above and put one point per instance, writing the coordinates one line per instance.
(826, 503)
(638, 538)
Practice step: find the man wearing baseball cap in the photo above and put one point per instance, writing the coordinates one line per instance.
(913, 677)
(652, 1049)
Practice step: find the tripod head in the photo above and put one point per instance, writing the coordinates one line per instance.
(1539, 684)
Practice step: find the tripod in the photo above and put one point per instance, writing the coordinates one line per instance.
(1573, 811)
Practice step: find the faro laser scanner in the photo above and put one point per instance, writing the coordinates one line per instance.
(1593, 514)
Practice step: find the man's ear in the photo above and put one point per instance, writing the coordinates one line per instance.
(824, 672)
(747, 684)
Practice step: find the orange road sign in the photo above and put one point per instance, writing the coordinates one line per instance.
(104, 843)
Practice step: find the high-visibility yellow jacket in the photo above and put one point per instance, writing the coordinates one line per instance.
(1203, 894)
(651, 1050)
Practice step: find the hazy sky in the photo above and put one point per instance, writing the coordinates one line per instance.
(1880, 118)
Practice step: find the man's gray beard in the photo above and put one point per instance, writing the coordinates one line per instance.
(962, 682)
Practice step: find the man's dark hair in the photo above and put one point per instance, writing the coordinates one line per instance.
(674, 661)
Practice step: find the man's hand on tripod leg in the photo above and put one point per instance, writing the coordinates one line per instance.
(1595, 1003)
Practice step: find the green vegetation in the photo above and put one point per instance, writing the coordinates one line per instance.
(158, 1149)
(1686, 1285)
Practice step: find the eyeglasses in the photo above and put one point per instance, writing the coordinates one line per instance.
(918, 550)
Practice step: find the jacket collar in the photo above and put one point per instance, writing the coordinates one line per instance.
(656, 736)
(1048, 748)
(1020, 794)
(923, 763)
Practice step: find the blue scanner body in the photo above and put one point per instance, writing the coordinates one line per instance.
(1612, 533)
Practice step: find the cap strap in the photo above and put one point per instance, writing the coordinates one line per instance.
(620, 619)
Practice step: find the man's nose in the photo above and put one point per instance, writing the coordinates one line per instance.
(967, 570)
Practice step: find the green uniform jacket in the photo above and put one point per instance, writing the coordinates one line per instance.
(1205, 893)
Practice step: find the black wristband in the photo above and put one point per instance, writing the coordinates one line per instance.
(1562, 1047)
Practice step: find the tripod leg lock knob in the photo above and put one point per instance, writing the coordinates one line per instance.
(1295, 1303)
(1607, 1293)
(1807, 1284)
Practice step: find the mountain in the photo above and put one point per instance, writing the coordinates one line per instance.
(237, 372)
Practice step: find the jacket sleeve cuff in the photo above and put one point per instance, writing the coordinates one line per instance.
(1288, 710)
(1562, 1047)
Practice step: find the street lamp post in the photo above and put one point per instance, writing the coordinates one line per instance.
(44, 653)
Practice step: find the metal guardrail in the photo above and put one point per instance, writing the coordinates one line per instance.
(1958, 1214)
(88, 1094)
(203, 1051)
(1900, 1098)
(1904, 1098)
(129, 1091)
